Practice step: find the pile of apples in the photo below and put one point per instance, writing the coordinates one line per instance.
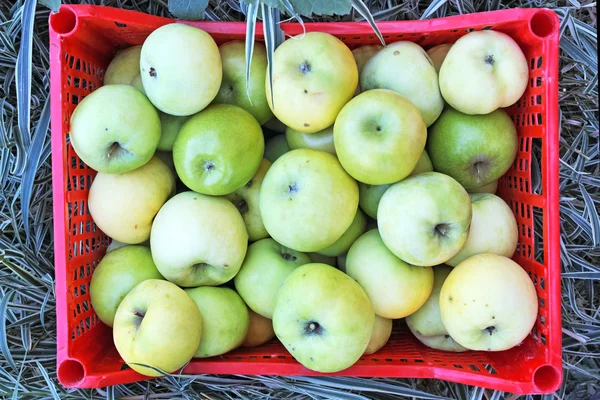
(377, 203)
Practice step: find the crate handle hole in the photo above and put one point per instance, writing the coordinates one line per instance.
(546, 378)
(70, 372)
(543, 23)
(64, 21)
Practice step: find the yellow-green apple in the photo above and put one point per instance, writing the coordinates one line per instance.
(437, 54)
(370, 195)
(483, 71)
(123, 206)
(167, 158)
(473, 149)
(320, 258)
(246, 201)
(138, 84)
(341, 246)
(225, 319)
(396, 289)
(260, 330)
(322, 140)
(234, 88)
(198, 240)
(181, 71)
(170, 125)
(361, 56)
(382, 330)
(266, 266)
(124, 67)
(491, 187)
(323, 318)
(379, 137)
(115, 129)
(307, 200)
(218, 150)
(493, 229)
(314, 75)
(117, 273)
(426, 323)
(276, 147)
(405, 67)
(425, 219)
(158, 325)
(489, 303)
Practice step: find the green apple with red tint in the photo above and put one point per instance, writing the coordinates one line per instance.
(260, 330)
(438, 55)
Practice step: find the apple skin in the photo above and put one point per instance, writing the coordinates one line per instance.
(491, 187)
(275, 125)
(218, 150)
(123, 206)
(181, 70)
(381, 334)
(483, 71)
(117, 273)
(341, 262)
(167, 158)
(314, 75)
(322, 140)
(396, 289)
(425, 219)
(379, 136)
(322, 259)
(246, 201)
(159, 325)
(323, 318)
(354, 231)
(493, 229)
(265, 268)
(276, 147)
(198, 240)
(489, 303)
(124, 67)
(405, 67)
(361, 56)
(260, 330)
(225, 320)
(438, 55)
(307, 200)
(370, 195)
(473, 149)
(170, 125)
(250, 97)
(426, 323)
(115, 129)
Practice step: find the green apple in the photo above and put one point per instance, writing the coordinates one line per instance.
(167, 158)
(157, 324)
(473, 149)
(493, 229)
(276, 147)
(170, 125)
(198, 240)
(117, 273)
(115, 129)
(260, 330)
(246, 201)
(123, 206)
(382, 330)
(114, 245)
(314, 75)
(405, 67)
(139, 85)
(218, 150)
(426, 323)
(425, 219)
(320, 258)
(266, 266)
(379, 137)
(307, 200)
(234, 89)
(437, 54)
(323, 318)
(322, 140)
(370, 195)
(361, 56)
(341, 246)
(181, 69)
(341, 262)
(491, 187)
(489, 303)
(124, 67)
(396, 289)
(484, 71)
(275, 125)
(225, 320)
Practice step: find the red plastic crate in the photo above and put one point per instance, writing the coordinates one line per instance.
(83, 39)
